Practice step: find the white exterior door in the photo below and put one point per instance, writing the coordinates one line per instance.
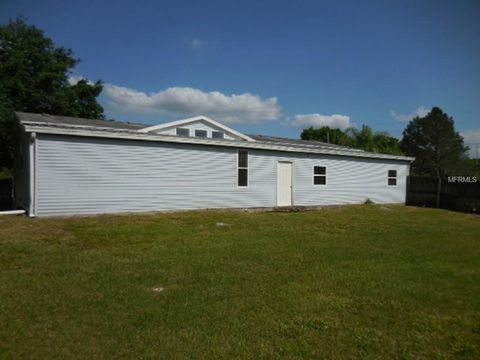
(284, 183)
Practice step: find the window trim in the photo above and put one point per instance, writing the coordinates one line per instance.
(392, 177)
(201, 137)
(183, 128)
(313, 175)
(247, 168)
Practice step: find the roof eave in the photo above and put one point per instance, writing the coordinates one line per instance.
(135, 135)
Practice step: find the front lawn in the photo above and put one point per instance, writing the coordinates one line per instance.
(364, 281)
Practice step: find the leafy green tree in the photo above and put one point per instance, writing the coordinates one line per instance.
(34, 78)
(471, 168)
(386, 144)
(438, 149)
(81, 100)
(7, 118)
(364, 138)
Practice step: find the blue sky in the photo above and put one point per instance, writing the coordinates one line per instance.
(273, 67)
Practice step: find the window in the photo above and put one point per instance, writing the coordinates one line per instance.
(183, 132)
(319, 175)
(201, 133)
(242, 168)
(392, 177)
(218, 134)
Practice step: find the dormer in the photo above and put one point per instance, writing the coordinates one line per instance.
(197, 127)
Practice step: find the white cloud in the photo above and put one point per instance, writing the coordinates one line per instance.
(186, 101)
(319, 120)
(420, 112)
(471, 136)
(196, 44)
(74, 79)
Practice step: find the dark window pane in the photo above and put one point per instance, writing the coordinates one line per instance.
(218, 134)
(242, 177)
(320, 180)
(319, 170)
(392, 173)
(242, 158)
(392, 182)
(201, 133)
(183, 132)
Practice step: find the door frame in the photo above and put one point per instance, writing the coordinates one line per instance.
(292, 190)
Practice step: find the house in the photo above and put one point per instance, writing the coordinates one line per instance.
(70, 166)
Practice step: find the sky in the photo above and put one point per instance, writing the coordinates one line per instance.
(273, 67)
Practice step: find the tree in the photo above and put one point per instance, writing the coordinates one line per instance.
(81, 100)
(386, 144)
(438, 149)
(7, 118)
(364, 138)
(34, 78)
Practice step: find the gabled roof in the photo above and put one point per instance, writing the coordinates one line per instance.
(192, 120)
(71, 126)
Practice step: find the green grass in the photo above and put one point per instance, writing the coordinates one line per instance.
(363, 281)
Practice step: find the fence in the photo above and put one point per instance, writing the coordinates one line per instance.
(458, 196)
(6, 194)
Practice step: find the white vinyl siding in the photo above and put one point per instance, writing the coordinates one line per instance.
(80, 175)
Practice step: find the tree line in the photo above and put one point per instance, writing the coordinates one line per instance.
(438, 149)
(364, 138)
